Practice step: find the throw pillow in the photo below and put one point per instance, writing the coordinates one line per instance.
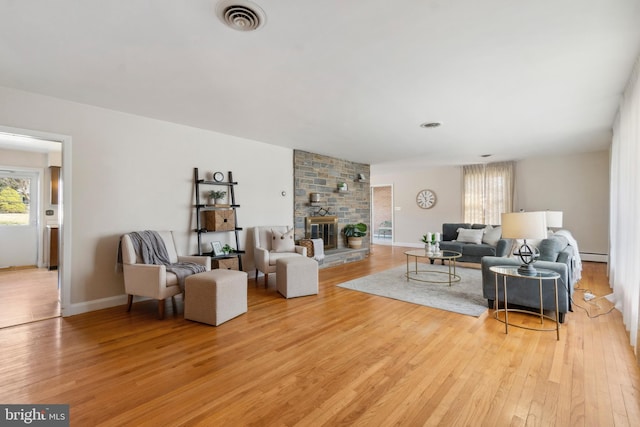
(468, 235)
(282, 242)
(491, 235)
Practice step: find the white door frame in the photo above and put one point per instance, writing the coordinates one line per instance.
(64, 214)
(393, 213)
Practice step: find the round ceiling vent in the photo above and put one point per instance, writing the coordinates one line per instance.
(431, 125)
(241, 15)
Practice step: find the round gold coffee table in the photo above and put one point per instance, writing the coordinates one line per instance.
(450, 256)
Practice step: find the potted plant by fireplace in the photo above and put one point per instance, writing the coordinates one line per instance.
(354, 234)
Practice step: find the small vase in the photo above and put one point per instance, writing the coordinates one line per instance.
(428, 249)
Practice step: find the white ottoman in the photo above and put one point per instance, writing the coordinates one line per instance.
(297, 276)
(215, 296)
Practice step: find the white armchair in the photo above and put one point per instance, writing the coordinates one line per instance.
(266, 253)
(152, 280)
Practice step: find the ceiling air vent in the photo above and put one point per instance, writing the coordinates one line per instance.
(430, 125)
(241, 15)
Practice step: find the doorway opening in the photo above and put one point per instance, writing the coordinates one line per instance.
(382, 214)
(30, 280)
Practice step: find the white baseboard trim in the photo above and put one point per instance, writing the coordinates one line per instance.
(409, 245)
(594, 257)
(85, 307)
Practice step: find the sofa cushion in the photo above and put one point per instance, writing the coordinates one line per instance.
(275, 256)
(450, 230)
(282, 242)
(525, 292)
(470, 236)
(479, 250)
(551, 247)
(491, 235)
(452, 246)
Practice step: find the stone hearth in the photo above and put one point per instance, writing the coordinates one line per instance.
(336, 257)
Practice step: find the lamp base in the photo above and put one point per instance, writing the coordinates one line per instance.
(528, 256)
(527, 270)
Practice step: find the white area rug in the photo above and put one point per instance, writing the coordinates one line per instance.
(464, 297)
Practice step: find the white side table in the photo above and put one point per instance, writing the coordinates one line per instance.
(540, 276)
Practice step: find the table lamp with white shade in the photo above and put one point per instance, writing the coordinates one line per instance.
(554, 219)
(525, 225)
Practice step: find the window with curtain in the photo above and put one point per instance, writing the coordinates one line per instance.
(624, 228)
(488, 192)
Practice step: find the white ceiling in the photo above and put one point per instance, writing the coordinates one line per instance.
(346, 78)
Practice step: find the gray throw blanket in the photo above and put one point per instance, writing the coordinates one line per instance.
(152, 250)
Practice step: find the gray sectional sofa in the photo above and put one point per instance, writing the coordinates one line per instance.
(557, 255)
(473, 252)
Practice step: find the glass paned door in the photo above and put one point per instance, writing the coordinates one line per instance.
(18, 218)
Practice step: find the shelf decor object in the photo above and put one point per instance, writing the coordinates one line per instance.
(216, 248)
(225, 263)
(219, 220)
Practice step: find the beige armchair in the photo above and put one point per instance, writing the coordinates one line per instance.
(266, 253)
(153, 280)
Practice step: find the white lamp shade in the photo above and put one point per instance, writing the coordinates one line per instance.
(554, 219)
(524, 225)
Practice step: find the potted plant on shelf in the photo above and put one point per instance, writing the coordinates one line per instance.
(226, 249)
(216, 195)
(354, 234)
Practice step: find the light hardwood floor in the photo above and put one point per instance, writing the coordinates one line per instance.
(339, 358)
(28, 295)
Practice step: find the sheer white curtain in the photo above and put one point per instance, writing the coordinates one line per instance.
(498, 191)
(624, 253)
(473, 176)
(488, 192)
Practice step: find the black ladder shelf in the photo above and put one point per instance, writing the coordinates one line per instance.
(200, 207)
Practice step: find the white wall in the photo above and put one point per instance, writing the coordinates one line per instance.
(576, 184)
(133, 173)
(410, 222)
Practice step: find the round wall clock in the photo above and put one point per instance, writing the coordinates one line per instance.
(218, 176)
(426, 199)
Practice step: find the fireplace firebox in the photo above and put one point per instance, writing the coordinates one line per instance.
(322, 227)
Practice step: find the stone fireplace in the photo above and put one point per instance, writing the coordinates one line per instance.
(330, 193)
(322, 227)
